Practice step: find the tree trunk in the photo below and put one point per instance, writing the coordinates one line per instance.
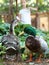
(37, 15)
(0, 18)
(11, 10)
(16, 7)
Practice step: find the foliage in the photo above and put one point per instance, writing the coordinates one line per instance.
(2, 49)
(4, 7)
(42, 6)
(24, 56)
(4, 27)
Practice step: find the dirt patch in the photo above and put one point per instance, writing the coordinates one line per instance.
(23, 63)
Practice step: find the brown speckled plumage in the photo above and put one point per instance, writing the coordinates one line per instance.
(32, 44)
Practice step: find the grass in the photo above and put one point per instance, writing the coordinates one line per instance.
(1, 61)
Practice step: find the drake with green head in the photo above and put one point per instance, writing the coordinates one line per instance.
(35, 44)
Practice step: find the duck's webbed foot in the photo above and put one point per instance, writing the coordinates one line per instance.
(38, 60)
(47, 61)
(30, 60)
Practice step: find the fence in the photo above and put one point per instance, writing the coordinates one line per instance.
(41, 21)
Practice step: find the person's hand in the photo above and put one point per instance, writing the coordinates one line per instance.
(17, 18)
(31, 8)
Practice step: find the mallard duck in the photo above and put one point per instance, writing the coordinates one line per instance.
(37, 45)
(11, 41)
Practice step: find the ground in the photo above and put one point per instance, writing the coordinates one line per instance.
(11, 63)
(23, 63)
